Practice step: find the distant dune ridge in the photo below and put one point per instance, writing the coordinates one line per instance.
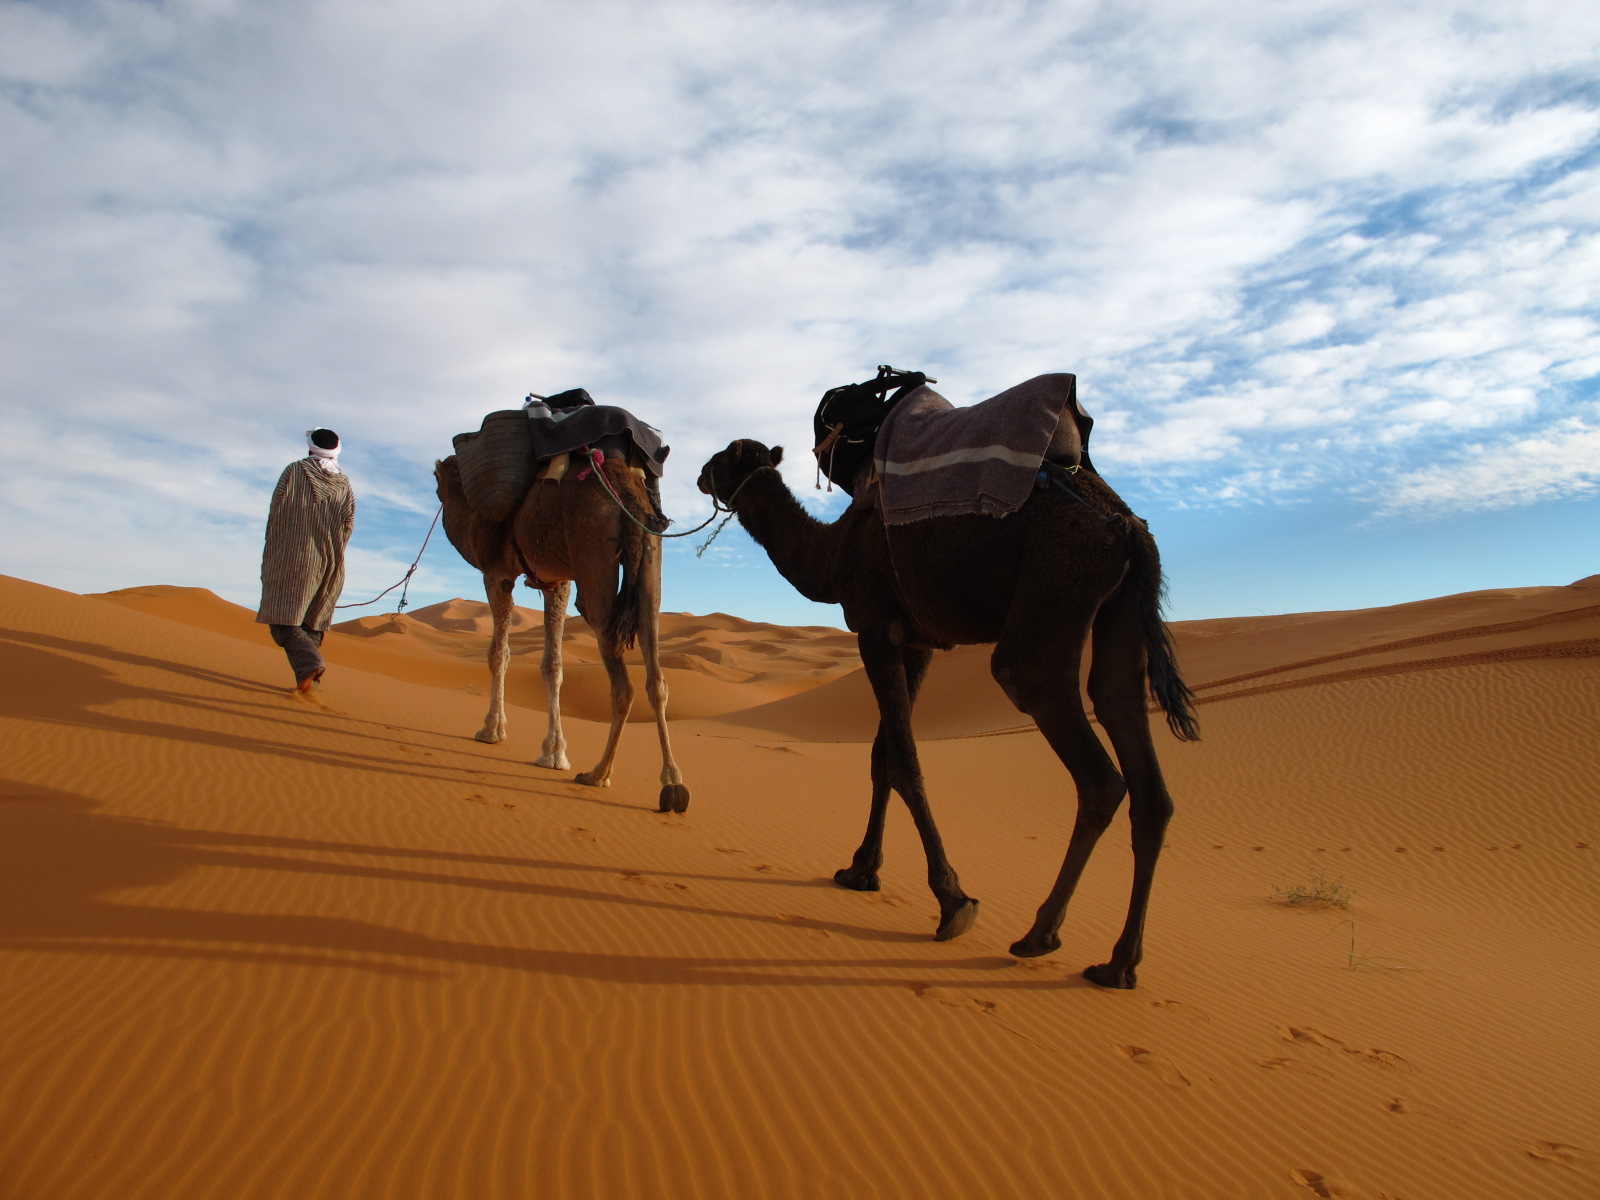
(262, 946)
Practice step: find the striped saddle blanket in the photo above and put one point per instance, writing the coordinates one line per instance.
(936, 460)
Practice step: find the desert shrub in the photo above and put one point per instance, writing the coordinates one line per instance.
(1317, 892)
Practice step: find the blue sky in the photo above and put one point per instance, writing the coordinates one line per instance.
(1327, 272)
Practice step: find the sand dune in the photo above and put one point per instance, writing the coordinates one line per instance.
(256, 946)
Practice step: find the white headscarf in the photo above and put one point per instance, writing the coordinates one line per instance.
(328, 460)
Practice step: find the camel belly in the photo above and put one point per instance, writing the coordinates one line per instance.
(956, 575)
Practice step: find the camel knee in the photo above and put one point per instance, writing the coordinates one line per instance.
(622, 698)
(1116, 693)
(1006, 676)
(1031, 689)
(1150, 815)
(1098, 803)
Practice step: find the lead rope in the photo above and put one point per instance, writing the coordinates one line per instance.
(598, 460)
(405, 583)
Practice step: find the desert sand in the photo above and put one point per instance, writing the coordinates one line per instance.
(260, 946)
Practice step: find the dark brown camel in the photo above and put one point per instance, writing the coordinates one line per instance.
(1038, 584)
(568, 529)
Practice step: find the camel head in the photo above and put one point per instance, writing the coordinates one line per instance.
(728, 469)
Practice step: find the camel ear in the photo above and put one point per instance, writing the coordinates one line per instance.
(777, 455)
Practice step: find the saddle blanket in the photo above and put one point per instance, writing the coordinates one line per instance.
(562, 430)
(936, 460)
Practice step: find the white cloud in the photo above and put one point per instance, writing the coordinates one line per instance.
(1248, 230)
(1560, 463)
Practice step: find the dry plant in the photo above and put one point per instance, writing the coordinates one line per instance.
(1356, 959)
(1317, 892)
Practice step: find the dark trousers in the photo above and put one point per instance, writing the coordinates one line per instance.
(303, 646)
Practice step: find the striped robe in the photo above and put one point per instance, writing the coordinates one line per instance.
(302, 569)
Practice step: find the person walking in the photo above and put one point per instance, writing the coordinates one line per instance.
(302, 568)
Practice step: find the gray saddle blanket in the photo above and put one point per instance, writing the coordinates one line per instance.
(561, 430)
(498, 462)
(936, 460)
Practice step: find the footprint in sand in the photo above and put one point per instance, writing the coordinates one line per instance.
(726, 850)
(1293, 1066)
(885, 898)
(1326, 1185)
(1036, 964)
(1310, 1037)
(579, 833)
(807, 924)
(1315, 1037)
(1180, 1008)
(475, 798)
(653, 881)
(1163, 1067)
(1561, 1154)
(954, 999)
(766, 869)
(1401, 1107)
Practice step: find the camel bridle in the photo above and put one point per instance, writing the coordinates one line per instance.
(721, 505)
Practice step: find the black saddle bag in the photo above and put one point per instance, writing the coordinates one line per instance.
(849, 417)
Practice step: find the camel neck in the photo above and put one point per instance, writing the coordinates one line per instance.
(804, 549)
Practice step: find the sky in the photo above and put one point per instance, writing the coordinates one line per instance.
(1327, 272)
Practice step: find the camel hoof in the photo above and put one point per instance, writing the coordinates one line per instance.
(674, 798)
(957, 921)
(1108, 976)
(589, 779)
(857, 879)
(486, 735)
(1036, 944)
(553, 762)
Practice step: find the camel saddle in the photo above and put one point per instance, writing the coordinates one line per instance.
(933, 459)
(513, 447)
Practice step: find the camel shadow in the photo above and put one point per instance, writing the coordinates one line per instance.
(66, 870)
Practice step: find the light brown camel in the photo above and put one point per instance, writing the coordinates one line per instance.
(1037, 584)
(569, 530)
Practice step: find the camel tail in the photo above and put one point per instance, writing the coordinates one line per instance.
(1161, 661)
(633, 552)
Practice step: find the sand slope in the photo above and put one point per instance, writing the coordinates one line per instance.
(259, 947)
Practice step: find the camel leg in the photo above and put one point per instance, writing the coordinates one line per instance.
(887, 671)
(621, 706)
(862, 873)
(498, 590)
(1040, 675)
(1117, 688)
(597, 596)
(674, 795)
(553, 753)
